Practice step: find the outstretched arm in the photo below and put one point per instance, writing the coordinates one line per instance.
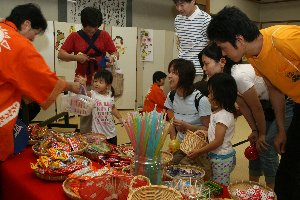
(278, 103)
(218, 141)
(253, 112)
(183, 126)
(117, 114)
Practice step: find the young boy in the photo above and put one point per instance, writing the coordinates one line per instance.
(156, 95)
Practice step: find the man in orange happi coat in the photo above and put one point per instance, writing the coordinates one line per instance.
(24, 73)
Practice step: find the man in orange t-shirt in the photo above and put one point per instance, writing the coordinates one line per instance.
(24, 73)
(156, 96)
(274, 52)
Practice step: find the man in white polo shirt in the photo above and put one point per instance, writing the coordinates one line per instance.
(190, 26)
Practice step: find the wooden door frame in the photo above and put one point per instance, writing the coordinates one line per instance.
(205, 3)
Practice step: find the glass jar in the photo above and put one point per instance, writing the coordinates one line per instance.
(148, 167)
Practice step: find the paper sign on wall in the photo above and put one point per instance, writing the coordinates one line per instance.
(147, 45)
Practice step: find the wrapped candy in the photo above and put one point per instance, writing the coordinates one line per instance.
(74, 142)
(56, 154)
(174, 145)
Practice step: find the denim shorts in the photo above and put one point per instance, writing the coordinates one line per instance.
(267, 162)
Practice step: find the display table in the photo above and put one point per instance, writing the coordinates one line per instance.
(17, 180)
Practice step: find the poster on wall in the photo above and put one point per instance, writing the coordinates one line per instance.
(125, 39)
(62, 30)
(146, 45)
(113, 11)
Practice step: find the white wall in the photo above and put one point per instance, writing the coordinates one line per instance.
(48, 7)
(280, 12)
(153, 14)
(251, 8)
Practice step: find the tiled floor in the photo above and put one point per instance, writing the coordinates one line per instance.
(242, 130)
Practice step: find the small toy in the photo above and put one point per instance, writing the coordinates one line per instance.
(174, 145)
(251, 152)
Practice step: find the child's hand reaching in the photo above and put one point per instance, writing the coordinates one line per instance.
(194, 153)
(180, 125)
(82, 80)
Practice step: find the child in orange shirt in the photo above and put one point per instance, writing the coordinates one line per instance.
(156, 95)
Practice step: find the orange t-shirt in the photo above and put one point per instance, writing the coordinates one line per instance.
(279, 59)
(155, 96)
(23, 73)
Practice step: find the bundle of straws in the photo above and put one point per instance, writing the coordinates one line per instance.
(147, 132)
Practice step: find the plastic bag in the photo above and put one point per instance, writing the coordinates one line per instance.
(77, 103)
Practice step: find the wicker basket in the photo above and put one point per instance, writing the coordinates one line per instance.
(154, 192)
(68, 191)
(166, 158)
(121, 147)
(32, 142)
(38, 153)
(135, 180)
(244, 185)
(59, 177)
(193, 140)
(94, 154)
(187, 168)
(94, 137)
(78, 177)
(107, 186)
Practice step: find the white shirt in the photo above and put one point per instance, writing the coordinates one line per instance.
(102, 116)
(246, 78)
(226, 118)
(184, 109)
(191, 32)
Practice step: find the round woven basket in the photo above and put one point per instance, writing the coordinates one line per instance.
(154, 192)
(137, 178)
(93, 154)
(193, 140)
(32, 142)
(59, 177)
(38, 153)
(186, 168)
(120, 148)
(166, 158)
(94, 137)
(244, 185)
(68, 191)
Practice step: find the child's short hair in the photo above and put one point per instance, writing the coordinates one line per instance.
(107, 77)
(158, 75)
(224, 89)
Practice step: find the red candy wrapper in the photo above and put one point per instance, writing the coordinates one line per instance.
(74, 142)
